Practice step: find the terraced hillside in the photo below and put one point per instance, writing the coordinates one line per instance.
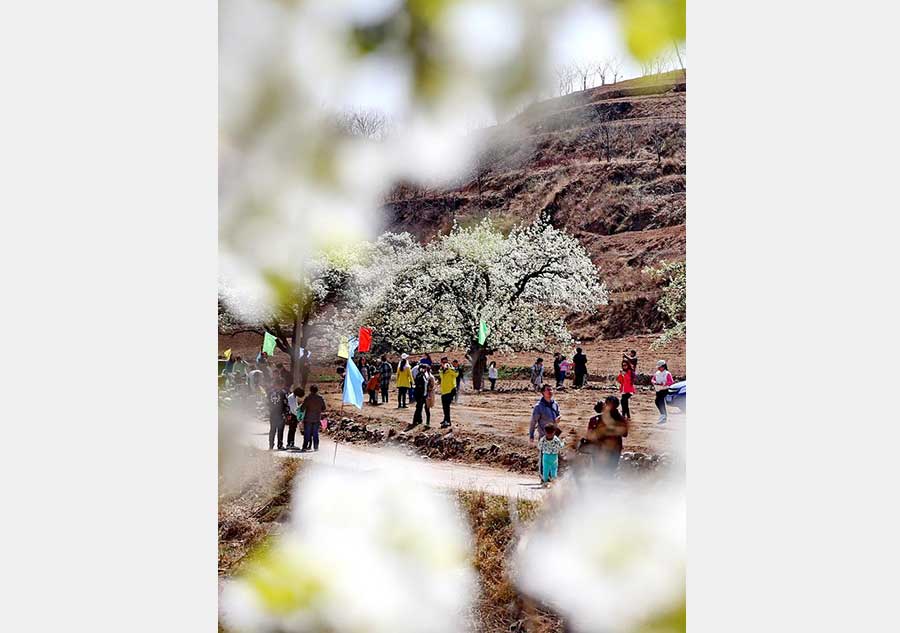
(607, 164)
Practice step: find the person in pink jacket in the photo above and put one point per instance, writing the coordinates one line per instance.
(661, 381)
(626, 386)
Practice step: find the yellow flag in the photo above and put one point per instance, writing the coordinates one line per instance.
(227, 354)
(344, 347)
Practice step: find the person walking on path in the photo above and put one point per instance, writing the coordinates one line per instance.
(545, 412)
(239, 374)
(537, 374)
(294, 400)
(313, 411)
(604, 435)
(551, 445)
(278, 409)
(414, 371)
(305, 363)
(563, 371)
(404, 381)
(363, 366)
(420, 390)
(448, 389)
(372, 388)
(626, 386)
(385, 370)
(557, 370)
(255, 378)
(342, 372)
(284, 374)
(661, 380)
(580, 360)
(492, 374)
(262, 363)
(459, 377)
(229, 368)
(430, 387)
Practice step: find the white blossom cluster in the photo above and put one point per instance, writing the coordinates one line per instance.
(610, 560)
(673, 302)
(521, 285)
(293, 178)
(372, 553)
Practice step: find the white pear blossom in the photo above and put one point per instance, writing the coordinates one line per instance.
(608, 560)
(521, 285)
(364, 553)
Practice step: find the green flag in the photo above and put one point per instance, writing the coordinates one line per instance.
(269, 344)
(483, 332)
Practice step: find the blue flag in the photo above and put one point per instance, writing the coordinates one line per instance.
(353, 385)
(352, 345)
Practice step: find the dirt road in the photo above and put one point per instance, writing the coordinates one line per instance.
(440, 474)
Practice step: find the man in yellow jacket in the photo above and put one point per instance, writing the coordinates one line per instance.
(448, 387)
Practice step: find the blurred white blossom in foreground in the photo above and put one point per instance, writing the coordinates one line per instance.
(371, 552)
(294, 177)
(609, 560)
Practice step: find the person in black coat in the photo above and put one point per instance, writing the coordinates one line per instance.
(580, 362)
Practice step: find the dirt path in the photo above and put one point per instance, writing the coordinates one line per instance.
(440, 474)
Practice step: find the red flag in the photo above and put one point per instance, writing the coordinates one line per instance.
(365, 339)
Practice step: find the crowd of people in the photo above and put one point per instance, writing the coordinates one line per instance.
(291, 408)
(253, 378)
(419, 382)
(601, 446)
(286, 407)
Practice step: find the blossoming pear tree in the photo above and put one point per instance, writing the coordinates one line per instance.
(673, 302)
(522, 285)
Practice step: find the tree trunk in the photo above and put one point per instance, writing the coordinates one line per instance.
(295, 345)
(479, 363)
(304, 343)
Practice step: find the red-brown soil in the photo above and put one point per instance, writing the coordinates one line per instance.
(627, 206)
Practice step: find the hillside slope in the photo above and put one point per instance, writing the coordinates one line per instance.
(607, 164)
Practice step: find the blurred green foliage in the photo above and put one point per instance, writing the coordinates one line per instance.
(652, 26)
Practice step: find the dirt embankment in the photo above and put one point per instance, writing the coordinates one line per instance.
(474, 448)
(606, 164)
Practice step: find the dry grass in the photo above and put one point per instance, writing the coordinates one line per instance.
(495, 522)
(248, 514)
(247, 517)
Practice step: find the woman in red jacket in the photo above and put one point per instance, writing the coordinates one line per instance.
(626, 386)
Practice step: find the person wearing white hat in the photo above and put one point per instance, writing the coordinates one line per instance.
(661, 381)
(404, 381)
